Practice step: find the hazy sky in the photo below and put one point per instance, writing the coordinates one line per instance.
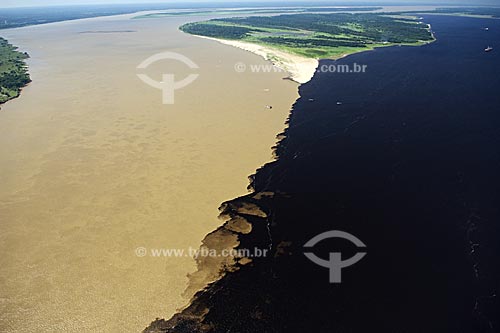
(22, 3)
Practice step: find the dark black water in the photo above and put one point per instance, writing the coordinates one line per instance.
(409, 164)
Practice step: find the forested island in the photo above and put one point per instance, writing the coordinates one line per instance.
(318, 35)
(13, 71)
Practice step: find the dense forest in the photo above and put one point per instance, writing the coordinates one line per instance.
(213, 30)
(371, 27)
(13, 71)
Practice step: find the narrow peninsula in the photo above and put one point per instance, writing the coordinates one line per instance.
(296, 42)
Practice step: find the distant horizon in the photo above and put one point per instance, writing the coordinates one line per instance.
(60, 3)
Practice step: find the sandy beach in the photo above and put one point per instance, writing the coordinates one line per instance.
(94, 166)
(301, 69)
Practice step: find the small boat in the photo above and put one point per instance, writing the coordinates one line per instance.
(488, 49)
(339, 103)
(486, 29)
(311, 99)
